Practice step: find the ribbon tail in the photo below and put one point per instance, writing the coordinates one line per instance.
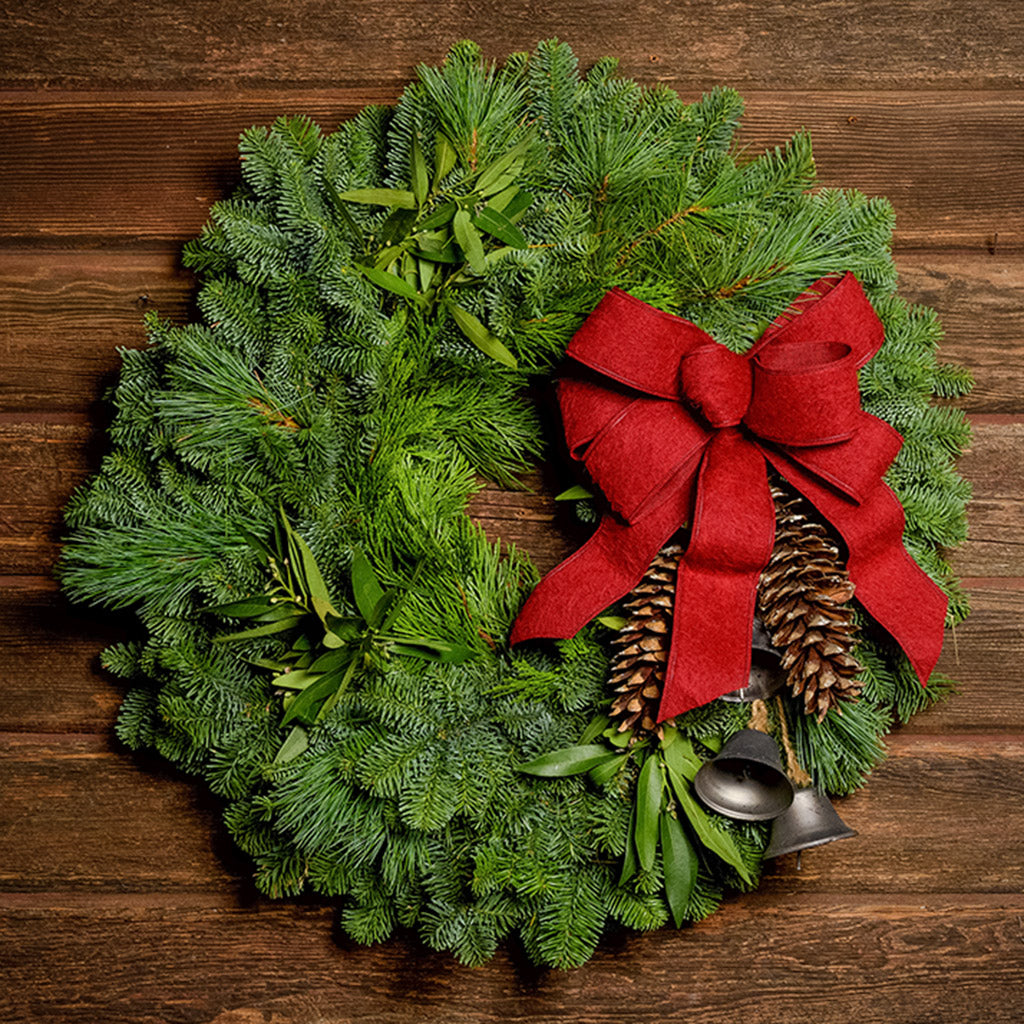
(733, 532)
(610, 564)
(890, 585)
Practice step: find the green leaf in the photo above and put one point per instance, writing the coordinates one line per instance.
(390, 282)
(447, 255)
(434, 241)
(388, 598)
(267, 629)
(469, 241)
(615, 622)
(567, 761)
(366, 587)
(331, 661)
(680, 756)
(257, 544)
(397, 225)
(380, 197)
(274, 666)
(497, 224)
(718, 842)
(503, 198)
(629, 862)
(305, 703)
(296, 679)
(608, 769)
(478, 334)
(296, 742)
(498, 254)
(713, 743)
(315, 584)
(433, 650)
(648, 811)
(617, 737)
(413, 651)
(420, 183)
(597, 725)
(303, 661)
(679, 860)
(281, 610)
(249, 608)
(344, 627)
(427, 272)
(342, 687)
(409, 272)
(388, 257)
(444, 157)
(339, 207)
(441, 216)
(502, 172)
(574, 493)
(516, 206)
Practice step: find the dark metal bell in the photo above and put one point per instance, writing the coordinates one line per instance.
(746, 780)
(766, 673)
(810, 820)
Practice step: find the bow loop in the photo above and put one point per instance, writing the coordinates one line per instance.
(804, 393)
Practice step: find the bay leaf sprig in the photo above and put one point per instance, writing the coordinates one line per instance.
(439, 237)
(328, 650)
(665, 816)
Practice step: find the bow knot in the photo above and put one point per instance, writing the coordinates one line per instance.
(796, 395)
(717, 383)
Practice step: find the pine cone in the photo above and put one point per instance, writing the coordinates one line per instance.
(640, 651)
(802, 598)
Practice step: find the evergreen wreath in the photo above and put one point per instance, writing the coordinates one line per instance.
(323, 629)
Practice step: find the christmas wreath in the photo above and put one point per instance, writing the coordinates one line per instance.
(324, 632)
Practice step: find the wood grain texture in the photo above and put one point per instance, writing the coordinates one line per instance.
(980, 301)
(68, 311)
(806, 960)
(50, 660)
(78, 815)
(147, 166)
(840, 45)
(995, 539)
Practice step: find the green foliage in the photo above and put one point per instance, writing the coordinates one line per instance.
(373, 302)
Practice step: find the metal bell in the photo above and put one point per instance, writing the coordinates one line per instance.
(746, 780)
(766, 673)
(810, 820)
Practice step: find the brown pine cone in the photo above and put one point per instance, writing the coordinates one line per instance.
(803, 600)
(640, 650)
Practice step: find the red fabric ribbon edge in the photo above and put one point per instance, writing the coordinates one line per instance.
(674, 429)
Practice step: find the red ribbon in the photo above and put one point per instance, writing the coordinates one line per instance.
(676, 428)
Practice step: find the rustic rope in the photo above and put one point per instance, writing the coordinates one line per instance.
(759, 716)
(796, 773)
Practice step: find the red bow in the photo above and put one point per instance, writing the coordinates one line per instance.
(679, 429)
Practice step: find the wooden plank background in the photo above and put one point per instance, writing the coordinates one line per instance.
(121, 898)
